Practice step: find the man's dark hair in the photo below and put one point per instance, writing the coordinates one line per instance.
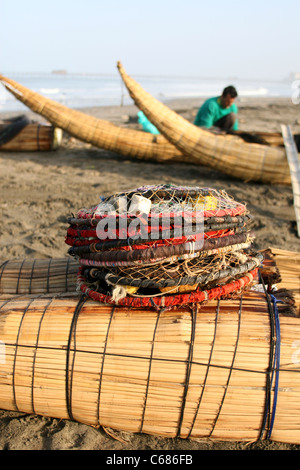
(230, 90)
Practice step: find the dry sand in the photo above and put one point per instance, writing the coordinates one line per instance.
(39, 190)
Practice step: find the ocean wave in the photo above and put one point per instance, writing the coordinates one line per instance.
(256, 92)
(49, 91)
(83, 92)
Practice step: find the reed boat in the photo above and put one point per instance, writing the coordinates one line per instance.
(98, 132)
(21, 134)
(228, 370)
(145, 146)
(38, 276)
(226, 153)
(273, 139)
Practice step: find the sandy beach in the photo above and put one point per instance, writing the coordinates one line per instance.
(39, 190)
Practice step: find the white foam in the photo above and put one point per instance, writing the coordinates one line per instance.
(77, 92)
(50, 91)
(256, 92)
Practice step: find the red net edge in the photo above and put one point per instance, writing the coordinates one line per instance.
(240, 209)
(159, 242)
(176, 300)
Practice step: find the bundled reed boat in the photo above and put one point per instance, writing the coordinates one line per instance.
(20, 134)
(225, 153)
(233, 155)
(98, 132)
(204, 372)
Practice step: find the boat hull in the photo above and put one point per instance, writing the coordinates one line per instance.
(98, 132)
(226, 153)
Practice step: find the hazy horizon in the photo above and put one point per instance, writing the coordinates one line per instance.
(63, 72)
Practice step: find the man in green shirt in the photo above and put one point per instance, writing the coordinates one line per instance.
(220, 112)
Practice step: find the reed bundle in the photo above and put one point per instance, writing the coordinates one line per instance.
(204, 372)
(21, 134)
(288, 263)
(37, 276)
(98, 132)
(274, 139)
(226, 153)
(35, 137)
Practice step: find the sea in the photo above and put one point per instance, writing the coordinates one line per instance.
(87, 90)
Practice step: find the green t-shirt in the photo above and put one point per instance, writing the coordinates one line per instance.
(211, 111)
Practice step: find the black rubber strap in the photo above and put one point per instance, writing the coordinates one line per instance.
(149, 371)
(267, 409)
(207, 369)
(102, 365)
(31, 275)
(16, 349)
(19, 276)
(194, 312)
(69, 373)
(48, 275)
(230, 370)
(35, 353)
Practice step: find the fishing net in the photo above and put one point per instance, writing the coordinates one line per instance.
(163, 241)
(167, 301)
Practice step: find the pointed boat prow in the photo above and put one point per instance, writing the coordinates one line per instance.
(97, 132)
(226, 153)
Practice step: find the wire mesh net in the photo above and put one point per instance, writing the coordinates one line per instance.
(161, 240)
(166, 199)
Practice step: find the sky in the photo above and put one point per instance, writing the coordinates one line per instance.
(239, 39)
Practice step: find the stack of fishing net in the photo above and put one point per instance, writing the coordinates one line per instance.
(163, 246)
